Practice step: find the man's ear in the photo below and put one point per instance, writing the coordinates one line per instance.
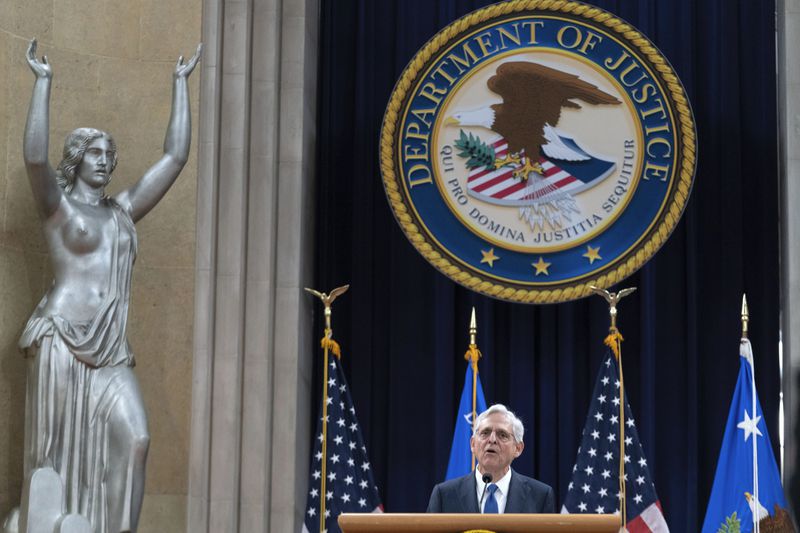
(519, 446)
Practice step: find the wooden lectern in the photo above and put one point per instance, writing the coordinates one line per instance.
(460, 523)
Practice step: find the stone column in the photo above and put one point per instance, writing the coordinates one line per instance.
(788, 19)
(252, 359)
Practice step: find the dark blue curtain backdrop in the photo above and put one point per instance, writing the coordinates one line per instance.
(403, 325)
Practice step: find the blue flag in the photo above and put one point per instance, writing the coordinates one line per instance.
(734, 495)
(460, 454)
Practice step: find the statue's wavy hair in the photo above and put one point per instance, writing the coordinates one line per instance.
(74, 147)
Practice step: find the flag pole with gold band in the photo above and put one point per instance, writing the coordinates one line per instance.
(328, 345)
(614, 341)
(472, 355)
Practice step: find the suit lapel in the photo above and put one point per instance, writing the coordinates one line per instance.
(517, 495)
(467, 493)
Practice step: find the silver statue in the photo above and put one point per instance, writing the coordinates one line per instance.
(85, 417)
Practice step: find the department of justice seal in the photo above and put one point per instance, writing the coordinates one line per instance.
(533, 148)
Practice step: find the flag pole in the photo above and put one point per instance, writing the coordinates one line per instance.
(472, 355)
(614, 341)
(745, 321)
(328, 344)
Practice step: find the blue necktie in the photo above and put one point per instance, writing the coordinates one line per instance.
(491, 503)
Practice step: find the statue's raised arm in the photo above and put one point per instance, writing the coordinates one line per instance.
(145, 194)
(46, 191)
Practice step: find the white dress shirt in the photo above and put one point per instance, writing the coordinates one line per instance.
(500, 495)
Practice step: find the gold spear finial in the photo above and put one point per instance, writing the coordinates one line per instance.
(613, 299)
(473, 354)
(745, 316)
(473, 328)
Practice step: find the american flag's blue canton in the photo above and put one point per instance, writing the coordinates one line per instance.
(595, 476)
(349, 484)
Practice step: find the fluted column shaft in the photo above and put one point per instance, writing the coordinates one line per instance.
(252, 355)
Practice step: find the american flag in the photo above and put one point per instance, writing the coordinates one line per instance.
(595, 477)
(349, 484)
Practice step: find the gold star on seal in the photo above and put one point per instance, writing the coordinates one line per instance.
(489, 257)
(592, 254)
(541, 266)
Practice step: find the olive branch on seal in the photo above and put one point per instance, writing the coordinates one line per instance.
(479, 153)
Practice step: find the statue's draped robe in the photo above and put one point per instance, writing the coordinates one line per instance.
(79, 389)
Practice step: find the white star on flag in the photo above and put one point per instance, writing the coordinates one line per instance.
(749, 425)
(599, 452)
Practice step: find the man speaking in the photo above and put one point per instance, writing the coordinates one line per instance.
(494, 487)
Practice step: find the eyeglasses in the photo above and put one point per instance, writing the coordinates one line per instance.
(500, 434)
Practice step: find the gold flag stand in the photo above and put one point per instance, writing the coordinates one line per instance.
(614, 341)
(328, 345)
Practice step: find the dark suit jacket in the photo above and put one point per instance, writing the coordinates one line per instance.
(525, 495)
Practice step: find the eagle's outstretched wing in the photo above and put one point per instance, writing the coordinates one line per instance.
(556, 149)
(533, 96)
(327, 299)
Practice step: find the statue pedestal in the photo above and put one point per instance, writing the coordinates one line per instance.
(42, 508)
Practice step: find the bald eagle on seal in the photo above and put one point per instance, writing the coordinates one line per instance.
(533, 96)
(779, 522)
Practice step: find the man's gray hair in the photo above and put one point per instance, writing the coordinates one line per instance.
(516, 423)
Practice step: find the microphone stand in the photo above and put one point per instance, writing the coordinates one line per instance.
(487, 478)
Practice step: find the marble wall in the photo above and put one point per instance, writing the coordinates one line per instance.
(788, 26)
(112, 62)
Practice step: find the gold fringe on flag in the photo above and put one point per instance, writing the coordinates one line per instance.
(614, 341)
(332, 345)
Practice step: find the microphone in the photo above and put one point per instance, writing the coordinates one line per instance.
(487, 478)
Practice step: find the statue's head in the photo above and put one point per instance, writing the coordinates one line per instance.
(74, 147)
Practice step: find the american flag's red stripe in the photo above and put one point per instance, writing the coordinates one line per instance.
(564, 181)
(654, 514)
(492, 182)
(510, 190)
(550, 171)
(480, 174)
(637, 525)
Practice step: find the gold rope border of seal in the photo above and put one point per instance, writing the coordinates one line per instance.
(644, 251)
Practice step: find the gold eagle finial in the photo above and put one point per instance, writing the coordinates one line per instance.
(327, 300)
(613, 299)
